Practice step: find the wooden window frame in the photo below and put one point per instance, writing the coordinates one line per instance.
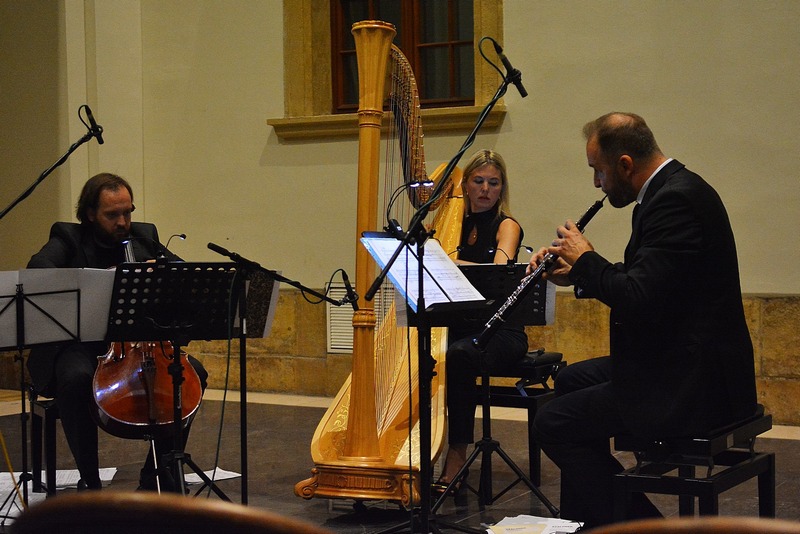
(412, 17)
(308, 93)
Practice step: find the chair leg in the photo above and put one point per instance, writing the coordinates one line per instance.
(766, 489)
(50, 451)
(622, 498)
(36, 450)
(686, 502)
(534, 451)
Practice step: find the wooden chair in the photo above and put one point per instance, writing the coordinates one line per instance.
(102, 512)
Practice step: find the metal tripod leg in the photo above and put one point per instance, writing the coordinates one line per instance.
(485, 448)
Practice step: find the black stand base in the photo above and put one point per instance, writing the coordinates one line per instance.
(485, 448)
(173, 473)
(24, 417)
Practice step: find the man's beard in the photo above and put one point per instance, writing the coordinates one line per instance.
(622, 193)
(112, 239)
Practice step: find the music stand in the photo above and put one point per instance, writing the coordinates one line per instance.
(451, 295)
(496, 282)
(174, 302)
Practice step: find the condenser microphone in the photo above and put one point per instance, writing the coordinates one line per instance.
(352, 296)
(512, 74)
(96, 129)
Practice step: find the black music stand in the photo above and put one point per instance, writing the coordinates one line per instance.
(447, 310)
(496, 282)
(175, 302)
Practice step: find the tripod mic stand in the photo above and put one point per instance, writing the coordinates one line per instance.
(484, 449)
(177, 302)
(177, 457)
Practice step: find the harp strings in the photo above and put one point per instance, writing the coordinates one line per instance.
(404, 164)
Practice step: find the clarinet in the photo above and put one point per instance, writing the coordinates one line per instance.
(528, 282)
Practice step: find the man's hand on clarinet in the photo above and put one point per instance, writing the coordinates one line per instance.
(567, 247)
(558, 272)
(570, 243)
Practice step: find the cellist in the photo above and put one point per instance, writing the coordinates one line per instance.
(104, 238)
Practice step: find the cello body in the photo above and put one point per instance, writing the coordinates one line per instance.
(133, 390)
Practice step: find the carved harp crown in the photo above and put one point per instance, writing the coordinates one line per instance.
(367, 444)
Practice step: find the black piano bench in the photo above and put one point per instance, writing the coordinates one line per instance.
(44, 414)
(668, 467)
(531, 391)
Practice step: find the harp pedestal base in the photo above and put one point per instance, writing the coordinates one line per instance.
(361, 482)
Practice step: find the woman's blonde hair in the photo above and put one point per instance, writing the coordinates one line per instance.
(478, 160)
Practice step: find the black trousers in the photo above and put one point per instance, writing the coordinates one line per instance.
(574, 430)
(74, 372)
(463, 364)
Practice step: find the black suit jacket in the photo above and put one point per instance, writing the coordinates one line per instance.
(682, 359)
(74, 245)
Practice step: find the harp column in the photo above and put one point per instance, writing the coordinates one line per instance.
(373, 41)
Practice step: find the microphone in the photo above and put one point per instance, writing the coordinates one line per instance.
(234, 256)
(512, 74)
(352, 296)
(95, 128)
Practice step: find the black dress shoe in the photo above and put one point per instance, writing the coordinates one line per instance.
(91, 486)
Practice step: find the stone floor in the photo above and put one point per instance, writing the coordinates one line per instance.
(280, 429)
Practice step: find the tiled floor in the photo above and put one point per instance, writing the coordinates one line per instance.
(280, 429)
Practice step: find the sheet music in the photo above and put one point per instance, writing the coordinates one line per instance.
(442, 282)
(60, 293)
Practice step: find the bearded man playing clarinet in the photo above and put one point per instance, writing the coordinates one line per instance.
(681, 359)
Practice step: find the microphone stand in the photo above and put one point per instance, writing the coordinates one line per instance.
(88, 135)
(246, 268)
(417, 233)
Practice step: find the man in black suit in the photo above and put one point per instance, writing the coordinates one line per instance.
(681, 358)
(104, 238)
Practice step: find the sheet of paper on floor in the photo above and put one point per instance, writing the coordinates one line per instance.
(193, 478)
(530, 524)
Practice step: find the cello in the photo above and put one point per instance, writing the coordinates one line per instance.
(133, 390)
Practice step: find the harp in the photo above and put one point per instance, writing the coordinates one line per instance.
(366, 447)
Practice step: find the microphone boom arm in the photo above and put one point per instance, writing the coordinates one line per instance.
(249, 264)
(86, 137)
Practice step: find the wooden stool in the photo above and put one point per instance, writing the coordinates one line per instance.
(732, 448)
(530, 392)
(44, 413)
